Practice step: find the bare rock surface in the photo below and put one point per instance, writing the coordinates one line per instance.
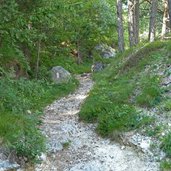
(60, 75)
(74, 146)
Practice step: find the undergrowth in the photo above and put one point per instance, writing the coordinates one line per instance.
(21, 104)
(69, 63)
(130, 82)
(166, 144)
(166, 147)
(165, 165)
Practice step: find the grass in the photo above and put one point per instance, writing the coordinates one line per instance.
(131, 81)
(167, 105)
(69, 63)
(21, 104)
(166, 144)
(150, 94)
(165, 165)
(118, 118)
(66, 144)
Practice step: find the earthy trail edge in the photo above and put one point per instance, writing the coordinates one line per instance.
(74, 146)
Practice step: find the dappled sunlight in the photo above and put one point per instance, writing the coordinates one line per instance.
(80, 97)
(71, 112)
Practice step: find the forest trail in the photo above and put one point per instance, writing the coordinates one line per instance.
(74, 146)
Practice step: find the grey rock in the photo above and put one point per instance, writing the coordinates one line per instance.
(105, 51)
(42, 157)
(60, 75)
(55, 146)
(97, 66)
(6, 165)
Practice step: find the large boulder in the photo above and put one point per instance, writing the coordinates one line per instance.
(105, 51)
(60, 75)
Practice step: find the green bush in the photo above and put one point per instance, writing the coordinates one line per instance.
(117, 118)
(127, 84)
(68, 62)
(165, 165)
(151, 92)
(167, 105)
(21, 104)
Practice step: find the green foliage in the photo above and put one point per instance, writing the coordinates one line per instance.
(21, 104)
(53, 30)
(91, 108)
(139, 55)
(165, 165)
(154, 131)
(66, 144)
(167, 105)
(166, 144)
(130, 81)
(31, 144)
(150, 92)
(69, 63)
(117, 118)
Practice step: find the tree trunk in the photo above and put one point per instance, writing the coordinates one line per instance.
(136, 21)
(79, 54)
(169, 4)
(120, 26)
(133, 22)
(152, 26)
(38, 58)
(165, 19)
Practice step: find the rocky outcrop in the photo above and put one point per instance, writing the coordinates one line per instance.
(60, 75)
(105, 51)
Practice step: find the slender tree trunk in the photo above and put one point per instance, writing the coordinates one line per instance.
(165, 19)
(152, 26)
(120, 26)
(79, 54)
(38, 58)
(169, 4)
(133, 22)
(136, 21)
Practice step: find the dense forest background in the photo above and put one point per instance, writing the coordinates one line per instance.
(36, 35)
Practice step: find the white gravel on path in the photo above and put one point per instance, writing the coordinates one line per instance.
(74, 146)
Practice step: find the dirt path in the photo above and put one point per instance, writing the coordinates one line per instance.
(74, 146)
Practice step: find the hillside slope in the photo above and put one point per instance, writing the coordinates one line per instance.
(134, 93)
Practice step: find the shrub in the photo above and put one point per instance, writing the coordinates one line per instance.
(117, 118)
(150, 93)
(165, 165)
(21, 104)
(167, 105)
